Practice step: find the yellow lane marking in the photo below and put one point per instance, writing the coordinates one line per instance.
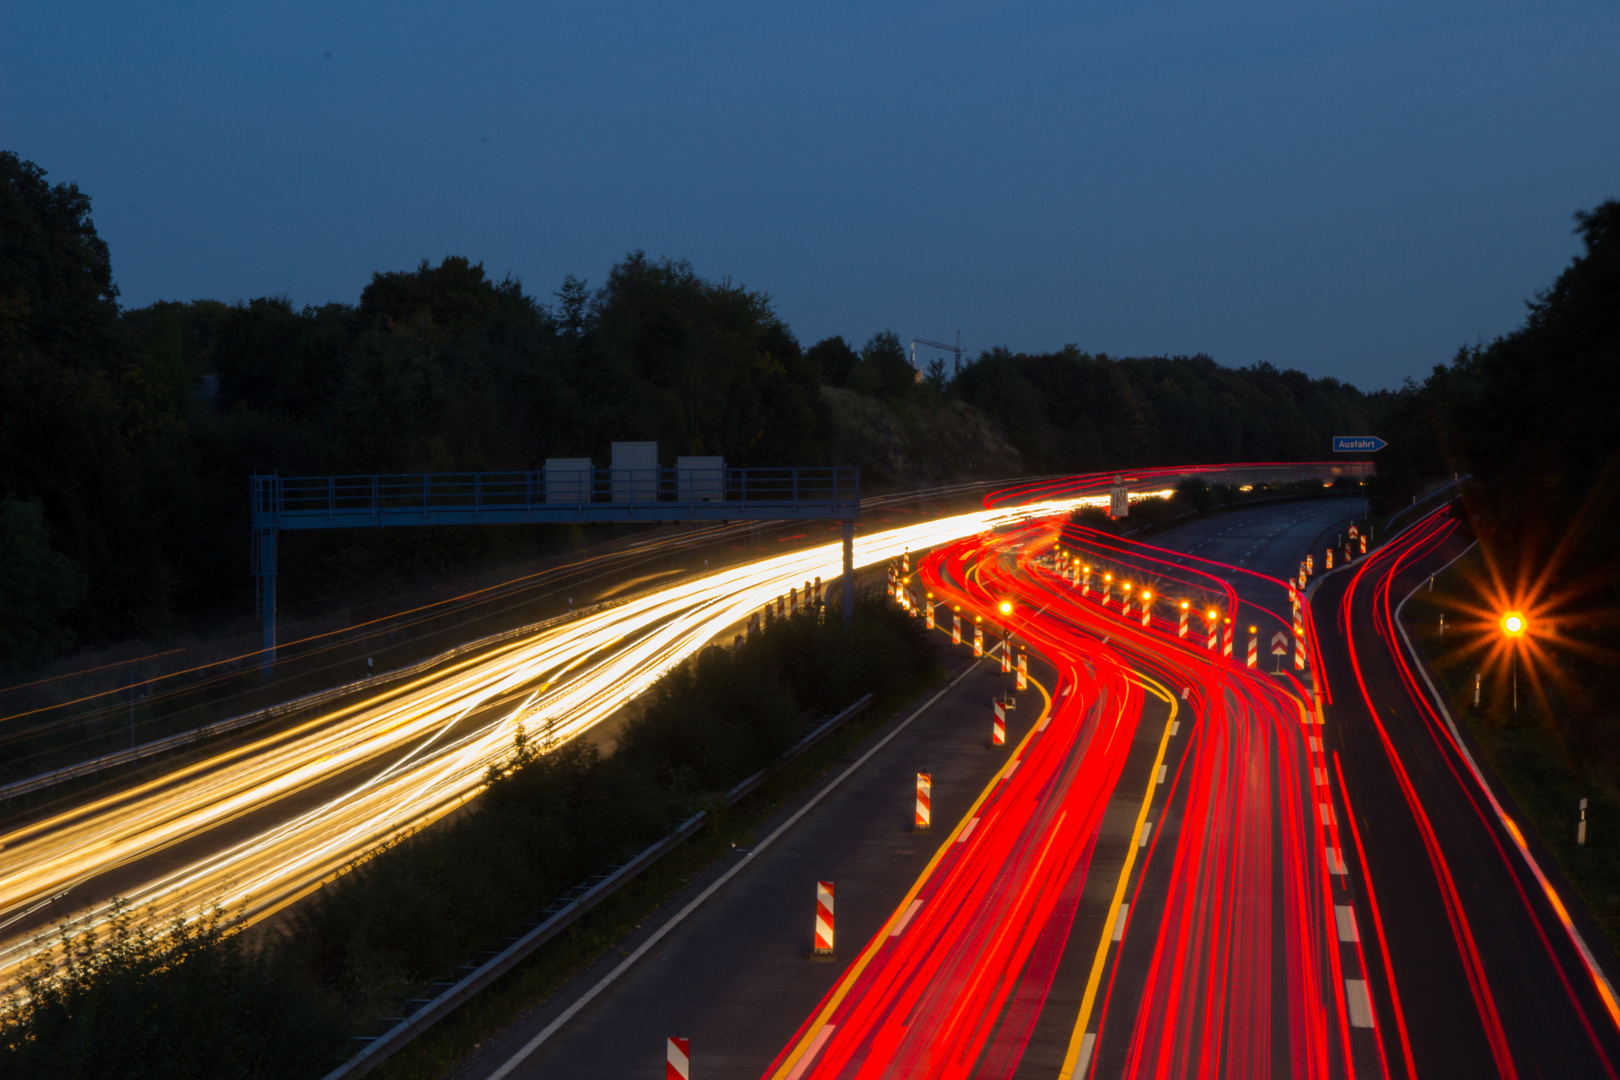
(1072, 1058)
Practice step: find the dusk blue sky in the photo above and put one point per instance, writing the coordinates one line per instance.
(1352, 189)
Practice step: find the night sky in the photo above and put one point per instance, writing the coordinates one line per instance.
(1350, 189)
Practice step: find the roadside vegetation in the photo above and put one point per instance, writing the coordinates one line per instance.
(1531, 417)
(205, 999)
(127, 435)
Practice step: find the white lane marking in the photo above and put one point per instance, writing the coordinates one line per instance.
(1327, 813)
(1316, 744)
(967, 832)
(1147, 831)
(1175, 726)
(1012, 769)
(1119, 921)
(1359, 1004)
(1321, 776)
(1087, 1041)
(715, 886)
(1335, 863)
(1047, 719)
(900, 926)
(1162, 770)
(810, 1055)
(1346, 916)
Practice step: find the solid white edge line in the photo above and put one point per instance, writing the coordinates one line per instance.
(1606, 988)
(611, 977)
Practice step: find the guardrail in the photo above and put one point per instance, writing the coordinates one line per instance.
(1457, 483)
(307, 701)
(562, 913)
(325, 502)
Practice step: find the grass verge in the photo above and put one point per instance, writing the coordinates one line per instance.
(1542, 752)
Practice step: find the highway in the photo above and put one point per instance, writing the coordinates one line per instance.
(1482, 961)
(1058, 932)
(255, 827)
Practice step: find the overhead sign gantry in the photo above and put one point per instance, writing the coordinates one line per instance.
(566, 491)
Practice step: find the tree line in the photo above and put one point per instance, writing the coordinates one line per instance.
(127, 436)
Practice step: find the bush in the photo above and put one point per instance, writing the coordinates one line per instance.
(188, 1000)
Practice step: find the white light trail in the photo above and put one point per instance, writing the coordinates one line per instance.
(573, 675)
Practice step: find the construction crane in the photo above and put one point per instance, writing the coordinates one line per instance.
(956, 349)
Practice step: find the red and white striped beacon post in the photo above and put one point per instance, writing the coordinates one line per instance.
(1085, 581)
(824, 918)
(956, 629)
(1107, 588)
(1327, 559)
(1212, 620)
(1363, 543)
(925, 815)
(1125, 600)
(930, 611)
(1254, 646)
(1186, 609)
(1226, 640)
(1147, 608)
(978, 637)
(1023, 670)
(678, 1059)
(998, 727)
(793, 601)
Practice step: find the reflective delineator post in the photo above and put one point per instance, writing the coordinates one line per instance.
(978, 637)
(1107, 588)
(1006, 654)
(1085, 581)
(1226, 640)
(928, 610)
(1147, 609)
(925, 816)
(998, 726)
(824, 918)
(956, 629)
(1125, 600)
(818, 589)
(1186, 609)
(1299, 639)
(1302, 576)
(1213, 622)
(1327, 559)
(1254, 646)
(1023, 671)
(1310, 565)
(1363, 543)
(753, 624)
(793, 601)
(678, 1059)
(1580, 831)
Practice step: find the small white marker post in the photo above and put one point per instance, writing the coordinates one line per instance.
(1580, 831)
(1476, 689)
